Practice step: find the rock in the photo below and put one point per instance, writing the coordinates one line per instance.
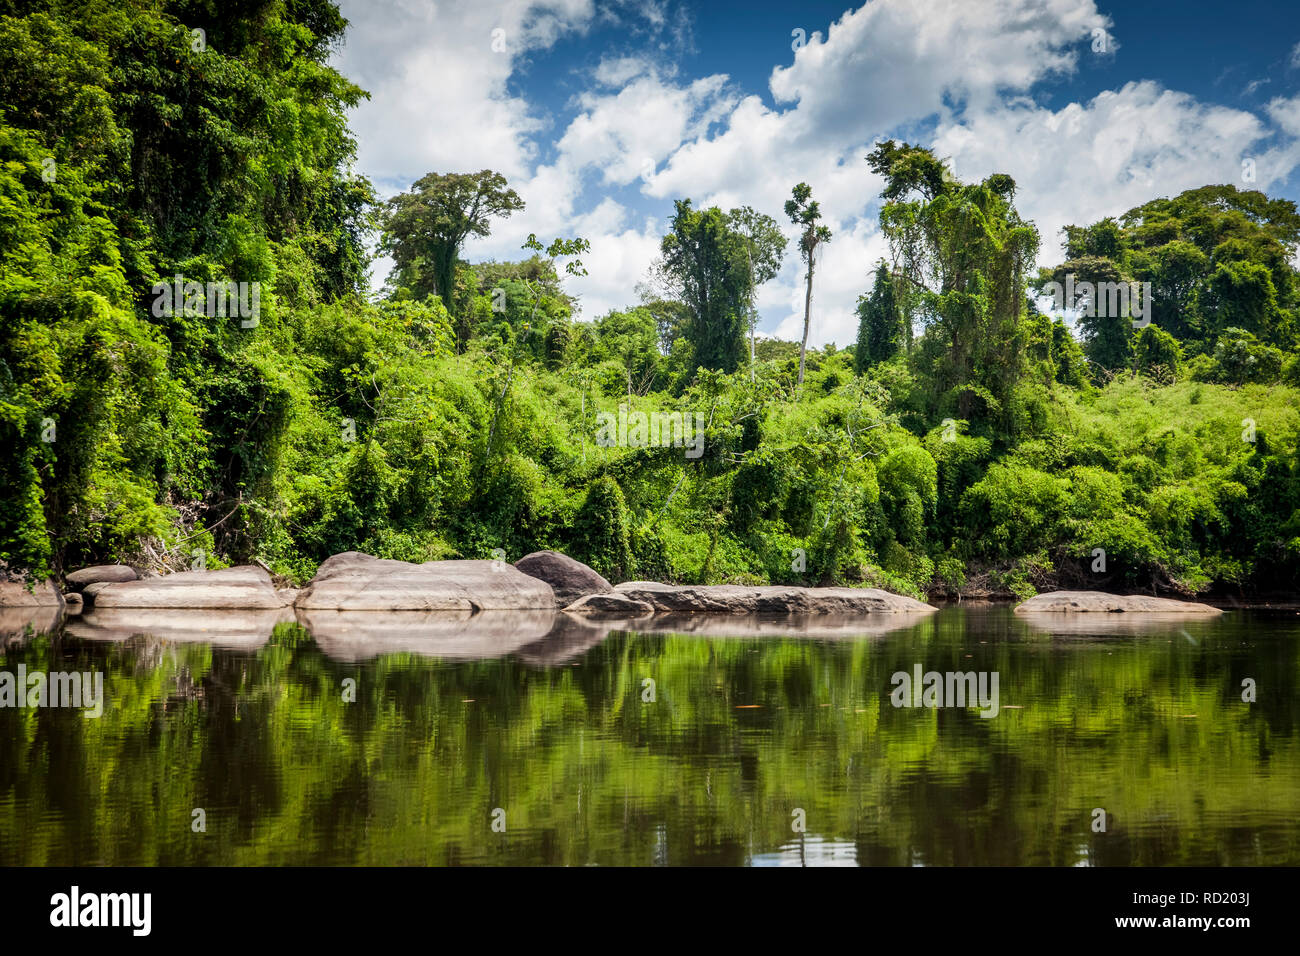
(610, 605)
(73, 603)
(796, 626)
(569, 579)
(1083, 602)
(14, 592)
(240, 588)
(772, 599)
(288, 595)
(77, 581)
(453, 635)
(359, 582)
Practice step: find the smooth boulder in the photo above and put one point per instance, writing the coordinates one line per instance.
(1099, 602)
(244, 587)
(78, 581)
(353, 581)
(569, 579)
(769, 599)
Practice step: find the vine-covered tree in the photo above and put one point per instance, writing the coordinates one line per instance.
(880, 323)
(703, 259)
(962, 252)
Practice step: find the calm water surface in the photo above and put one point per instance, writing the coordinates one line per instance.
(750, 723)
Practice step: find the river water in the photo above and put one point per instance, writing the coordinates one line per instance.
(525, 740)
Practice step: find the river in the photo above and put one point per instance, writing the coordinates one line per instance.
(733, 742)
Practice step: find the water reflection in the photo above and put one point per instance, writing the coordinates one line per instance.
(681, 742)
(226, 629)
(809, 851)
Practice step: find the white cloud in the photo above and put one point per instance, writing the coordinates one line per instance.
(618, 70)
(627, 133)
(965, 71)
(894, 61)
(438, 88)
(1124, 147)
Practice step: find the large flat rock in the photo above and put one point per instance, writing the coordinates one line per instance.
(15, 592)
(359, 582)
(243, 587)
(1084, 602)
(771, 599)
(568, 578)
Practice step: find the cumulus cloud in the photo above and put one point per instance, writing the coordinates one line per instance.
(437, 75)
(626, 134)
(1089, 160)
(960, 77)
(894, 61)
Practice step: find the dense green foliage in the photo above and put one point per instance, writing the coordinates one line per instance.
(881, 329)
(974, 443)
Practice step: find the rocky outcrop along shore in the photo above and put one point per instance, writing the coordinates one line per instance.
(1085, 602)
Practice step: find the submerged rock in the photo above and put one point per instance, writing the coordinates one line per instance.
(569, 637)
(243, 587)
(353, 581)
(232, 628)
(17, 623)
(772, 599)
(796, 626)
(78, 581)
(1082, 602)
(610, 605)
(569, 579)
(454, 635)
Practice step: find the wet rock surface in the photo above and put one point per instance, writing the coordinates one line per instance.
(1099, 602)
(774, 599)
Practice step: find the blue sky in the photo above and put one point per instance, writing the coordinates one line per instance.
(601, 113)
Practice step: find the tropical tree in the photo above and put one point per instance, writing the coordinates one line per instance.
(764, 246)
(805, 213)
(880, 323)
(962, 252)
(703, 260)
(423, 229)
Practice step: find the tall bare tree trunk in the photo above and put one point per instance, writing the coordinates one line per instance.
(807, 313)
(753, 319)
